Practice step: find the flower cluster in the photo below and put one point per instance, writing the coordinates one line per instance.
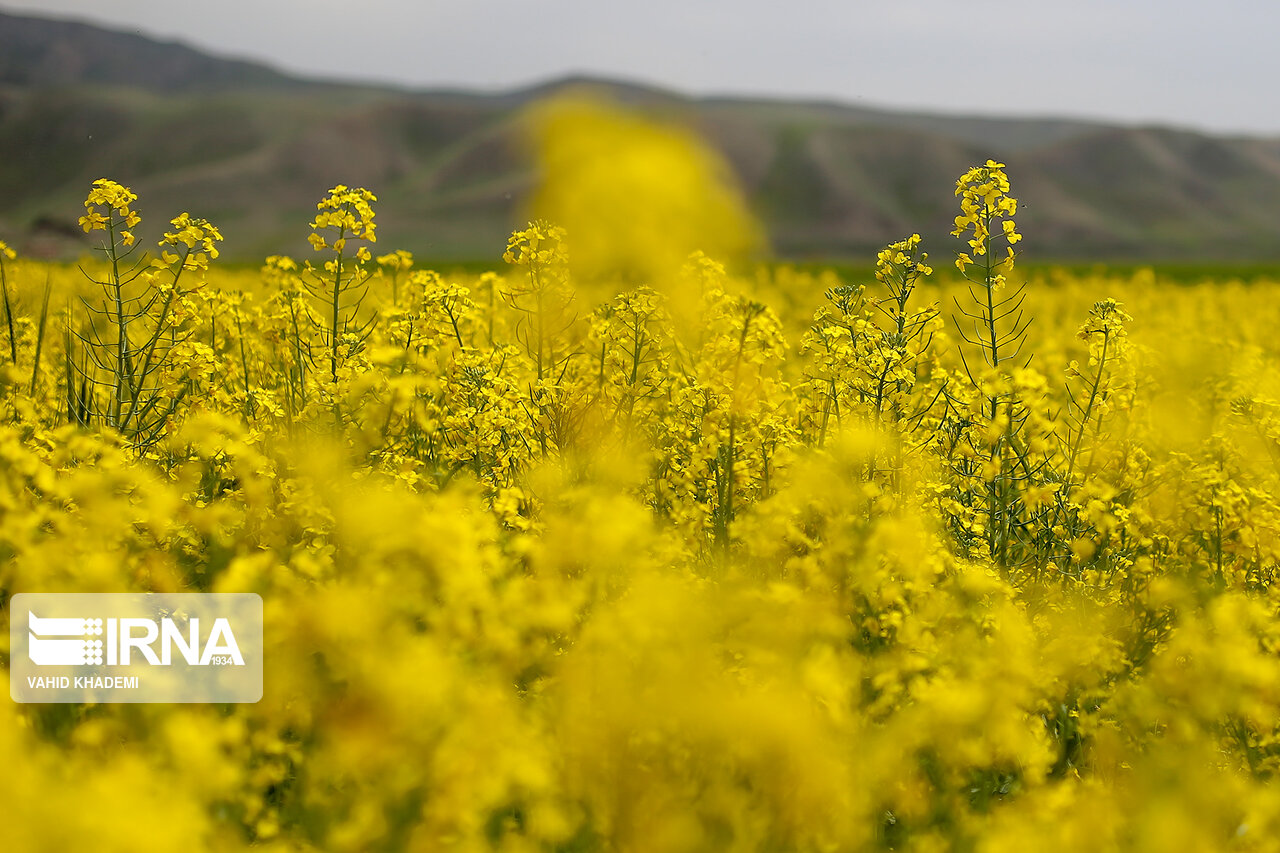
(108, 208)
(984, 203)
(349, 213)
(196, 239)
(539, 245)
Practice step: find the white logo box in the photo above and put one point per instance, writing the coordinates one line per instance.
(135, 647)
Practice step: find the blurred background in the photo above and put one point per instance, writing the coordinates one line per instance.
(1130, 137)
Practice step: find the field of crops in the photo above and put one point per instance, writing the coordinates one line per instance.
(620, 547)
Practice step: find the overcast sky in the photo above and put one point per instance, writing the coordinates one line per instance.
(1211, 65)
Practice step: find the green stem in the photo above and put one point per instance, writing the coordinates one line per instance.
(8, 312)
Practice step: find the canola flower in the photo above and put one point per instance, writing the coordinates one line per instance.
(107, 208)
(716, 561)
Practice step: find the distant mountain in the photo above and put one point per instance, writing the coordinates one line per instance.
(253, 149)
(41, 52)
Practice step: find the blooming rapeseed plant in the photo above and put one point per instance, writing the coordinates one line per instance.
(693, 558)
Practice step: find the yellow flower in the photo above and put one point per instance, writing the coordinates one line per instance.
(349, 212)
(984, 200)
(198, 236)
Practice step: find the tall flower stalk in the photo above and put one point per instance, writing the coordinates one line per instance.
(341, 284)
(136, 350)
(996, 328)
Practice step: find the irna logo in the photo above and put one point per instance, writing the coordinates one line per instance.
(135, 647)
(78, 642)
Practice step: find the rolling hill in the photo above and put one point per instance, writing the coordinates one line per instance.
(252, 149)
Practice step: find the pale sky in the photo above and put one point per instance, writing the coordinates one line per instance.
(1188, 63)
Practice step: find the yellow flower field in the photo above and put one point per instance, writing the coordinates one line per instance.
(659, 551)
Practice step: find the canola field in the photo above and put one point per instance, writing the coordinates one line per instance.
(629, 545)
